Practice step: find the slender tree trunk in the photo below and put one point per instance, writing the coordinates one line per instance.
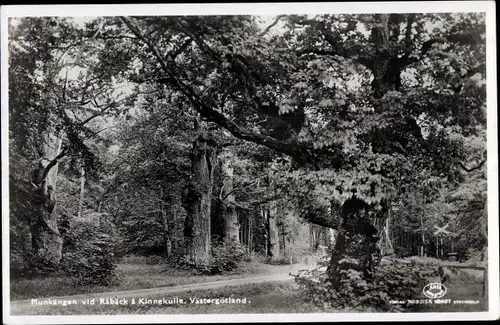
(167, 243)
(82, 191)
(422, 233)
(274, 245)
(45, 237)
(311, 239)
(484, 230)
(249, 239)
(231, 225)
(283, 238)
(167, 233)
(197, 200)
(265, 217)
(390, 247)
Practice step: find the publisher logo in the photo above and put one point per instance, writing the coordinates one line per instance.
(434, 290)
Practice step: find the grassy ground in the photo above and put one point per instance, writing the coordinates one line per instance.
(133, 274)
(269, 297)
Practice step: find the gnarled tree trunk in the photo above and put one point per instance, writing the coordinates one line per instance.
(46, 241)
(355, 243)
(197, 200)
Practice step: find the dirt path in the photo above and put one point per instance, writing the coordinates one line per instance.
(142, 293)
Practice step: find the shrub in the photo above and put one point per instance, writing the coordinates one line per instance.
(155, 260)
(288, 256)
(89, 254)
(391, 281)
(25, 265)
(225, 258)
(282, 260)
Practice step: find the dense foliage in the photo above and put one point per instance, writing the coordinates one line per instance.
(393, 282)
(205, 139)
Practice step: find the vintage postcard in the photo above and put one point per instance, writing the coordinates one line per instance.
(282, 162)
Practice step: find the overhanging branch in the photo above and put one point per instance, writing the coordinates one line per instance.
(295, 150)
(53, 162)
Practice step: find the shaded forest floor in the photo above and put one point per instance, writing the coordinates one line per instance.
(135, 274)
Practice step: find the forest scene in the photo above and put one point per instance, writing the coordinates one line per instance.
(270, 164)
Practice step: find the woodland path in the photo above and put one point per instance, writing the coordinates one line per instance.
(18, 305)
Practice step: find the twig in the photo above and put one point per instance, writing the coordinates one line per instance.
(278, 18)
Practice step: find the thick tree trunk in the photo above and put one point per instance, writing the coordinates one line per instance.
(386, 66)
(45, 237)
(197, 200)
(274, 244)
(231, 225)
(355, 243)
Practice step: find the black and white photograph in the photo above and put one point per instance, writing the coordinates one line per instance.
(249, 162)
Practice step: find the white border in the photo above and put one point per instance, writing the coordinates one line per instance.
(268, 9)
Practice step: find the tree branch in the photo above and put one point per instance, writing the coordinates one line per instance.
(409, 23)
(201, 43)
(100, 113)
(367, 62)
(183, 46)
(476, 69)
(295, 150)
(53, 162)
(239, 188)
(468, 170)
(266, 30)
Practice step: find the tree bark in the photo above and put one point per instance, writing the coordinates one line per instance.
(197, 200)
(249, 239)
(331, 238)
(45, 237)
(274, 244)
(82, 192)
(355, 243)
(265, 217)
(231, 225)
(167, 243)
